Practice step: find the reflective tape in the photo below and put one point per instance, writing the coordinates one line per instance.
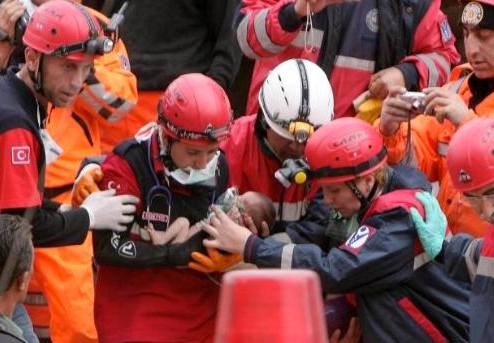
(299, 40)
(486, 266)
(355, 63)
(291, 211)
(433, 71)
(287, 256)
(242, 38)
(262, 35)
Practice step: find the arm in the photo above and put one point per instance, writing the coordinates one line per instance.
(433, 51)
(380, 254)
(226, 54)
(111, 91)
(460, 254)
(425, 130)
(118, 249)
(277, 23)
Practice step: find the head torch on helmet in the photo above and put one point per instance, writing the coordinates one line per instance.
(209, 134)
(301, 131)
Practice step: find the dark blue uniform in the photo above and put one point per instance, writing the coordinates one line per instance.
(402, 296)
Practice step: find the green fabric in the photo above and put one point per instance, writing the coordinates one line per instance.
(339, 229)
(431, 231)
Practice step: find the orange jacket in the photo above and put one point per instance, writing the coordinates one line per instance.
(430, 140)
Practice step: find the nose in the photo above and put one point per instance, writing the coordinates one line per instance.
(328, 198)
(77, 79)
(471, 45)
(200, 161)
(486, 207)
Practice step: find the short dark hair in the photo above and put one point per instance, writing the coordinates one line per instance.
(15, 238)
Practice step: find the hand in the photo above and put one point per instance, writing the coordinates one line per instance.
(316, 6)
(445, 104)
(177, 232)
(108, 211)
(431, 232)
(214, 261)
(394, 111)
(225, 233)
(353, 334)
(10, 12)
(381, 83)
(86, 183)
(249, 223)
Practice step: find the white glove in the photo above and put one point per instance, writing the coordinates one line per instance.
(109, 212)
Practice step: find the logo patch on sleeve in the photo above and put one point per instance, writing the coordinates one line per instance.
(357, 241)
(446, 34)
(21, 154)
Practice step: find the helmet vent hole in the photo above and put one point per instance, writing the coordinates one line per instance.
(492, 152)
(370, 146)
(176, 115)
(53, 31)
(337, 159)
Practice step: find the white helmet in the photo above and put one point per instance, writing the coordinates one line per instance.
(296, 98)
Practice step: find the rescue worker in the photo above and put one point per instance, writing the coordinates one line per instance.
(61, 293)
(382, 263)
(471, 166)
(363, 45)
(176, 170)
(296, 99)
(447, 109)
(59, 56)
(16, 268)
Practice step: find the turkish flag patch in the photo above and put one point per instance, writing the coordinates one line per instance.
(357, 241)
(21, 155)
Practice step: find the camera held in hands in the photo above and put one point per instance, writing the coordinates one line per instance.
(416, 99)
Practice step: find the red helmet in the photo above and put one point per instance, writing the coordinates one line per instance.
(343, 150)
(195, 110)
(470, 156)
(64, 28)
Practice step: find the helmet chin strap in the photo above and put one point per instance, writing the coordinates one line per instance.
(165, 147)
(364, 201)
(36, 77)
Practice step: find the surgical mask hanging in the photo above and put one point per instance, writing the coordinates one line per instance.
(191, 176)
(52, 149)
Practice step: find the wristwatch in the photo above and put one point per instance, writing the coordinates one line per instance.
(4, 37)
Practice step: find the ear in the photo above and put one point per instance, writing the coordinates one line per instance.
(32, 59)
(23, 281)
(368, 182)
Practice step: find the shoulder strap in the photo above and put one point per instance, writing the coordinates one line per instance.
(401, 198)
(136, 154)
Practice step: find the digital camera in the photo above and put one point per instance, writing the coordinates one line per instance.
(416, 99)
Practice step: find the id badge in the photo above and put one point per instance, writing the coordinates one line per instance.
(52, 149)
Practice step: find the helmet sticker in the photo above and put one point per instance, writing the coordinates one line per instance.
(371, 20)
(472, 13)
(464, 177)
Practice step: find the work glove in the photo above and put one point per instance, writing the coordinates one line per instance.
(431, 232)
(86, 183)
(214, 261)
(108, 211)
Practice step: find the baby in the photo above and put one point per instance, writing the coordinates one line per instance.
(251, 209)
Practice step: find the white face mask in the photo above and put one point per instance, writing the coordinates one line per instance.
(190, 176)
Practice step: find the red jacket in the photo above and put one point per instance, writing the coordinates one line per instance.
(268, 31)
(253, 170)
